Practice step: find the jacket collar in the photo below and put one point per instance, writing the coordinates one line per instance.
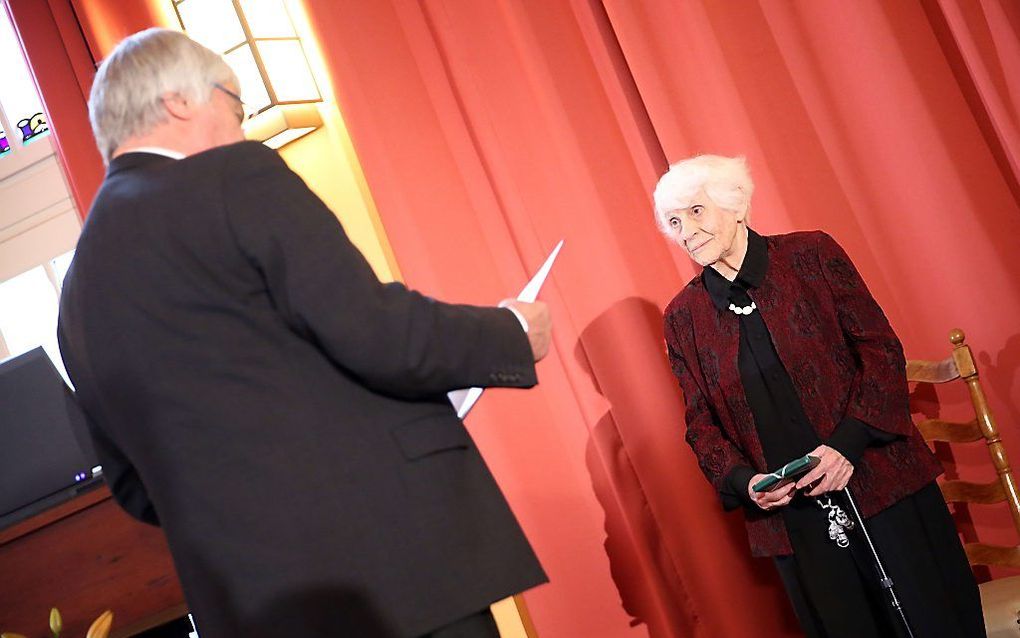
(132, 160)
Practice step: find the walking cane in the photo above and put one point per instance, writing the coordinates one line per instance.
(884, 580)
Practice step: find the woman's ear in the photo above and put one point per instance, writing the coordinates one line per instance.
(742, 217)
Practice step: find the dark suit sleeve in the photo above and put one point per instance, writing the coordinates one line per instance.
(718, 457)
(394, 340)
(118, 472)
(122, 478)
(878, 396)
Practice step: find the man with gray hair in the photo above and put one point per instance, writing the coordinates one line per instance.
(255, 390)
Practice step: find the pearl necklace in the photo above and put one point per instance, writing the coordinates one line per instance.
(743, 310)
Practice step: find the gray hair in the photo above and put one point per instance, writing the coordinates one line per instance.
(127, 94)
(726, 181)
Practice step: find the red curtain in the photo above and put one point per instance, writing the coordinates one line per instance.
(490, 130)
(981, 40)
(487, 132)
(108, 22)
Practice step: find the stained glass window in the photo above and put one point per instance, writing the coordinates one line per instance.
(22, 119)
(32, 127)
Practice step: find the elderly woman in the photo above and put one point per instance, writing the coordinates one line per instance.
(781, 351)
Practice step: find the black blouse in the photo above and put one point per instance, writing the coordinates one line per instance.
(783, 428)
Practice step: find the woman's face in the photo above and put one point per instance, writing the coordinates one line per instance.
(708, 233)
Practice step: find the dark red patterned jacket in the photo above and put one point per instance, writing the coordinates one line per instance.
(841, 354)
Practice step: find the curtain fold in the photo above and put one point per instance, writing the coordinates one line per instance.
(981, 40)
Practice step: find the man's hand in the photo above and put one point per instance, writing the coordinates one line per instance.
(831, 474)
(539, 324)
(771, 500)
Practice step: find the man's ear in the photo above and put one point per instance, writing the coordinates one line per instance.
(178, 106)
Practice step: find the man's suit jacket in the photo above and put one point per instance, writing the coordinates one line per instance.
(841, 354)
(256, 391)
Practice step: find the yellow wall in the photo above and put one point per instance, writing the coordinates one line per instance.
(325, 159)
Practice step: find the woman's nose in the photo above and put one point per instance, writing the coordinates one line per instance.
(686, 232)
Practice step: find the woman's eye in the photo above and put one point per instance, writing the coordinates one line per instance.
(674, 222)
(696, 210)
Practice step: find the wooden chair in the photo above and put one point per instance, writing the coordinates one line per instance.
(1000, 598)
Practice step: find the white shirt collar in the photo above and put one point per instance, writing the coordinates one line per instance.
(157, 150)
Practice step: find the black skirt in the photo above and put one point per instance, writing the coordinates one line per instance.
(836, 592)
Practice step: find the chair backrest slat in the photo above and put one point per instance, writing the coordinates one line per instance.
(985, 554)
(961, 366)
(950, 431)
(932, 371)
(968, 492)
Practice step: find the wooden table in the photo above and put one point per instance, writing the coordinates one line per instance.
(83, 557)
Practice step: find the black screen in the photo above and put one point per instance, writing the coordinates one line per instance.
(44, 444)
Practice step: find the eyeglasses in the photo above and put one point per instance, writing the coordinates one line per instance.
(245, 113)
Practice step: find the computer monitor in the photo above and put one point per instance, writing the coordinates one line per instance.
(46, 455)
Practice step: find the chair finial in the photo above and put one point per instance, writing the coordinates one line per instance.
(956, 336)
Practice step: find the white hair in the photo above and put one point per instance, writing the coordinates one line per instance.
(127, 94)
(726, 181)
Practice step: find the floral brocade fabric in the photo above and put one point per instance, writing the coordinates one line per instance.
(843, 359)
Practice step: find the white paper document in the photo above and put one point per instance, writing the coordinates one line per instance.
(464, 400)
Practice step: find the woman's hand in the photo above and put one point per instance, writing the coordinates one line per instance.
(771, 500)
(831, 474)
